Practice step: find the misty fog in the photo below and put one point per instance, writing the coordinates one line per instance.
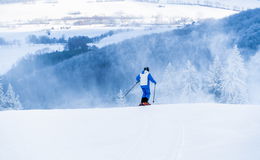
(180, 61)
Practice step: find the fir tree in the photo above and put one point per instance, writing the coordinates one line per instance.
(234, 88)
(215, 78)
(2, 97)
(168, 84)
(190, 84)
(11, 100)
(121, 101)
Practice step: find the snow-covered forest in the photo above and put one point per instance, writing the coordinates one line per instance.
(8, 99)
(207, 61)
(225, 82)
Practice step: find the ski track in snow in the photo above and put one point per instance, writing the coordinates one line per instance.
(147, 135)
(180, 143)
(142, 133)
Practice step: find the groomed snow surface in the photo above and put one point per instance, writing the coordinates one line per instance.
(158, 132)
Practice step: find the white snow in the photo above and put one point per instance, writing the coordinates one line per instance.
(230, 4)
(129, 34)
(64, 14)
(158, 132)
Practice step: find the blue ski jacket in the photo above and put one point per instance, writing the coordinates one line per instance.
(144, 78)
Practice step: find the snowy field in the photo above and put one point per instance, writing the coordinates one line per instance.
(128, 34)
(90, 14)
(158, 132)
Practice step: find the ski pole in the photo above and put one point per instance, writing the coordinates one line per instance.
(154, 92)
(130, 89)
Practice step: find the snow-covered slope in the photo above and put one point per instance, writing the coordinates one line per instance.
(230, 4)
(158, 132)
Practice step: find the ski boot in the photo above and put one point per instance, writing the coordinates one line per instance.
(144, 102)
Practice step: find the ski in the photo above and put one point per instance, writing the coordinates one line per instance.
(142, 104)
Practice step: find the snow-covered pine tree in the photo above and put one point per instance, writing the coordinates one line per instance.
(2, 97)
(121, 101)
(190, 84)
(167, 86)
(234, 88)
(254, 78)
(11, 100)
(215, 78)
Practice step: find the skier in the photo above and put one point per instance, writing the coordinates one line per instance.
(144, 78)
